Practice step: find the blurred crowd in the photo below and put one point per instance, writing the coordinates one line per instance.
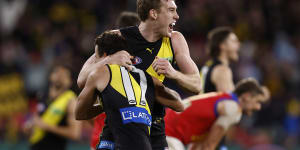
(36, 34)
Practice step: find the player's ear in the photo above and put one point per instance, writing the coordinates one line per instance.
(222, 46)
(153, 14)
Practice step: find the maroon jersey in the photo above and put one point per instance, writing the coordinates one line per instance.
(194, 123)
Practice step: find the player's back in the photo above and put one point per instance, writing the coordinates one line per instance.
(127, 102)
(195, 121)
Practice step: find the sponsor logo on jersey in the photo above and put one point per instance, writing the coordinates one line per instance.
(106, 145)
(136, 60)
(135, 115)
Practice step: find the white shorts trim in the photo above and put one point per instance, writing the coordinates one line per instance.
(174, 143)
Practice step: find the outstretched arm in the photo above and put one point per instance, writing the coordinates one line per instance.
(167, 97)
(85, 108)
(188, 77)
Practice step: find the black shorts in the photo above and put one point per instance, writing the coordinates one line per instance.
(106, 141)
(158, 135)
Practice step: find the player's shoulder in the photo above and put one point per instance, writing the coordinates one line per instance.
(222, 69)
(176, 35)
(98, 72)
(229, 107)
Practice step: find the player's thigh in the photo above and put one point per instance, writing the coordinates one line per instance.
(174, 143)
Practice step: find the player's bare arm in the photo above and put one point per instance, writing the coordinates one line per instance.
(71, 131)
(188, 77)
(222, 78)
(121, 58)
(229, 114)
(97, 80)
(167, 96)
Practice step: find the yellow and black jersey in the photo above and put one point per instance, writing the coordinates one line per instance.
(145, 53)
(55, 114)
(128, 101)
(208, 85)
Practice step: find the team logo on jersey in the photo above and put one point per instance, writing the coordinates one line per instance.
(135, 115)
(149, 50)
(106, 145)
(136, 60)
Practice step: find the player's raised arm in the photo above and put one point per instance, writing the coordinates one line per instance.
(85, 108)
(167, 96)
(121, 58)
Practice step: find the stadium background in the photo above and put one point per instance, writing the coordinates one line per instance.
(37, 33)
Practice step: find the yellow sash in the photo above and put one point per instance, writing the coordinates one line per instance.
(53, 115)
(165, 52)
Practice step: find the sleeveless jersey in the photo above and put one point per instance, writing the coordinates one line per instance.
(206, 73)
(127, 102)
(54, 114)
(145, 53)
(194, 123)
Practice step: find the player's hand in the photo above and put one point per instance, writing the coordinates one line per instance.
(195, 146)
(121, 58)
(27, 128)
(163, 66)
(38, 122)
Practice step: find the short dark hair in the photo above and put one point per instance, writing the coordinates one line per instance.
(110, 42)
(144, 6)
(248, 85)
(127, 19)
(215, 39)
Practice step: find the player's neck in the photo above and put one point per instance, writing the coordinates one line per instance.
(148, 31)
(100, 58)
(224, 60)
(54, 92)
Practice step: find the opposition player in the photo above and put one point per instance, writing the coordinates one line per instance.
(207, 117)
(157, 48)
(55, 122)
(127, 98)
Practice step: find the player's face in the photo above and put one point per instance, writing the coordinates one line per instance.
(232, 46)
(252, 103)
(60, 78)
(167, 17)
